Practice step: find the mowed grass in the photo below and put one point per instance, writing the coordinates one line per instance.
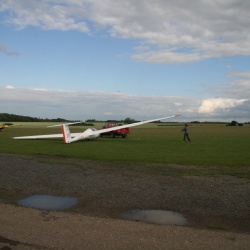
(220, 146)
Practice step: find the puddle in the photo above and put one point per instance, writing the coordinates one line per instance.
(160, 217)
(48, 202)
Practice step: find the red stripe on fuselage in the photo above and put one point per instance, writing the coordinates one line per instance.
(64, 136)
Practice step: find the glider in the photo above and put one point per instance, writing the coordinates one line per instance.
(3, 126)
(88, 134)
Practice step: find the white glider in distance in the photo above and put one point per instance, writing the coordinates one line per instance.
(88, 134)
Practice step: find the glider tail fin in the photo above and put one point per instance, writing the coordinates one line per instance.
(66, 134)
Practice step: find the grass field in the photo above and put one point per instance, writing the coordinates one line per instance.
(213, 146)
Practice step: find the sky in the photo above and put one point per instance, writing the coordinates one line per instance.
(117, 59)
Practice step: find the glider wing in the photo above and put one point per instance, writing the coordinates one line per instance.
(131, 125)
(45, 136)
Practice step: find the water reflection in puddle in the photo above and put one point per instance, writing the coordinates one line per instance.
(160, 217)
(48, 202)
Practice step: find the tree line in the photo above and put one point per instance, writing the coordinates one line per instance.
(5, 117)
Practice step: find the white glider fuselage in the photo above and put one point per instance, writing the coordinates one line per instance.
(88, 134)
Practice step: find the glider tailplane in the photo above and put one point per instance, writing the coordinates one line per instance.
(66, 134)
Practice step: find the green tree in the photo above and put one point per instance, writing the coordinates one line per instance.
(129, 121)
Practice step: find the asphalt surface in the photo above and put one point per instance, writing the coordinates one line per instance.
(217, 208)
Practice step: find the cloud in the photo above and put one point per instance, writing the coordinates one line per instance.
(82, 105)
(47, 15)
(4, 50)
(214, 104)
(168, 31)
(9, 87)
(88, 105)
(238, 86)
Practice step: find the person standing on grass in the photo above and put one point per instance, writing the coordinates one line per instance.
(185, 130)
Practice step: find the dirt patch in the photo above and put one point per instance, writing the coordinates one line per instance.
(108, 190)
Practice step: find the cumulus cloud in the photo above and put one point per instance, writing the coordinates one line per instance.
(214, 104)
(168, 31)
